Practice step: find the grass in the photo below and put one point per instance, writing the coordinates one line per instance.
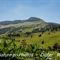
(49, 39)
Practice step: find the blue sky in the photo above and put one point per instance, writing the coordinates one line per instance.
(49, 10)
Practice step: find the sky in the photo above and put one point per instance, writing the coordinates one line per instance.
(48, 10)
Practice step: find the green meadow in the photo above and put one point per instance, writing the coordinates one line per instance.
(29, 43)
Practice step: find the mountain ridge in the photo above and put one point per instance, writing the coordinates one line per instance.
(32, 23)
(31, 19)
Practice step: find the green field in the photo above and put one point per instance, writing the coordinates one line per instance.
(49, 39)
(28, 44)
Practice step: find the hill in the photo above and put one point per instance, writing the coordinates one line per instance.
(33, 24)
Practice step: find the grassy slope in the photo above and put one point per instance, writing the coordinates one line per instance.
(49, 40)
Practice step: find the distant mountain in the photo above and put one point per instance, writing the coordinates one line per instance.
(34, 19)
(10, 22)
(31, 24)
(31, 19)
(54, 25)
